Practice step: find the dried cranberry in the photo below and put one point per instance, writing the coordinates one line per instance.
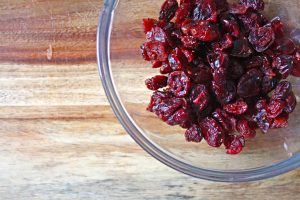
(291, 103)
(284, 65)
(177, 59)
(156, 82)
(236, 70)
(144, 53)
(230, 25)
(190, 42)
(268, 84)
(148, 24)
(227, 121)
(183, 12)
(245, 129)
(285, 46)
(212, 132)
(217, 60)
(263, 122)
(254, 62)
(205, 10)
(165, 68)
(241, 48)
(179, 117)
(282, 90)
(238, 9)
(193, 134)
(200, 74)
(255, 4)
(250, 21)
(168, 10)
(262, 38)
(188, 54)
(277, 26)
(156, 34)
(156, 64)
(179, 83)
(156, 50)
(234, 144)
(225, 43)
(250, 83)
(204, 31)
(275, 108)
(281, 121)
(200, 97)
(239, 107)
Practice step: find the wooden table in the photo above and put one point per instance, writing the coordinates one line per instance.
(59, 137)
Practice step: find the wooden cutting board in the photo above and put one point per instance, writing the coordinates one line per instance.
(58, 136)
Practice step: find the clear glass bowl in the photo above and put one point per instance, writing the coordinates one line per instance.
(123, 72)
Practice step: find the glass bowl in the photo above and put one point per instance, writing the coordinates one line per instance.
(123, 72)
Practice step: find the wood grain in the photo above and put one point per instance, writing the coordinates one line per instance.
(58, 136)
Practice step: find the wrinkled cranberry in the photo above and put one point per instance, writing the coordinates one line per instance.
(204, 31)
(291, 103)
(183, 12)
(241, 48)
(236, 70)
(239, 107)
(238, 9)
(190, 42)
(193, 134)
(227, 121)
(205, 10)
(281, 121)
(285, 46)
(212, 131)
(277, 26)
(230, 25)
(156, 34)
(225, 43)
(255, 4)
(156, 82)
(165, 68)
(282, 90)
(200, 97)
(224, 90)
(263, 122)
(284, 65)
(262, 38)
(234, 144)
(268, 84)
(179, 117)
(245, 129)
(200, 74)
(217, 60)
(179, 83)
(188, 54)
(275, 108)
(250, 21)
(168, 10)
(155, 50)
(148, 24)
(177, 59)
(250, 83)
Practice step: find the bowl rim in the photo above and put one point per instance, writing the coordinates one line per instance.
(104, 67)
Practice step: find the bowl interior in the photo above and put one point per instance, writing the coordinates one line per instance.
(129, 72)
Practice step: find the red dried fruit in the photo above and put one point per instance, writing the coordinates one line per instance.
(268, 84)
(281, 121)
(179, 83)
(193, 134)
(156, 34)
(212, 132)
(284, 65)
(238, 9)
(200, 97)
(148, 24)
(254, 62)
(168, 10)
(255, 4)
(262, 38)
(250, 21)
(156, 64)
(217, 60)
(241, 48)
(178, 118)
(202, 30)
(263, 122)
(236, 70)
(284, 46)
(225, 43)
(190, 42)
(205, 10)
(230, 25)
(250, 84)
(291, 103)
(239, 107)
(200, 74)
(156, 82)
(227, 121)
(155, 50)
(188, 54)
(245, 129)
(177, 59)
(183, 12)
(282, 90)
(275, 108)
(277, 26)
(234, 144)
(165, 68)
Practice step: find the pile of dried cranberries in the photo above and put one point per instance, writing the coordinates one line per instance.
(223, 70)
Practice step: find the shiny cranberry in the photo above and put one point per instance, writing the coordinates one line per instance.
(234, 144)
(212, 131)
(291, 103)
(156, 34)
(284, 65)
(250, 21)
(282, 90)
(179, 83)
(285, 46)
(227, 121)
(156, 82)
(245, 129)
(179, 117)
(165, 68)
(200, 97)
(168, 10)
(148, 24)
(177, 59)
(263, 122)
(275, 108)
(188, 54)
(239, 107)
(183, 12)
(241, 48)
(230, 25)
(225, 43)
(278, 27)
(200, 74)
(193, 134)
(190, 42)
(205, 10)
(217, 60)
(156, 50)
(261, 38)
(281, 121)
(204, 31)
(255, 4)
(156, 64)
(250, 84)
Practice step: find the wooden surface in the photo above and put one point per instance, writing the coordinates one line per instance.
(58, 136)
